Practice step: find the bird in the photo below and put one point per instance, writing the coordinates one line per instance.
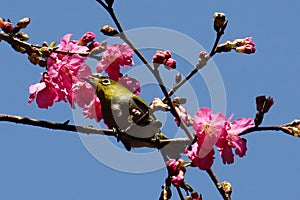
(129, 114)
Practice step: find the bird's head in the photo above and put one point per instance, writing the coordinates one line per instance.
(103, 84)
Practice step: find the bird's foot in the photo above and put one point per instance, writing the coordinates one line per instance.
(157, 141)
(117, 133)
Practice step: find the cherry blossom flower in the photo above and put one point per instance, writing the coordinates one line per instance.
(131, 84)
(203, 163)
(45, 92)
(208, 128)
(114, 57)
(93, 110)
(231, 139)
(176, 171)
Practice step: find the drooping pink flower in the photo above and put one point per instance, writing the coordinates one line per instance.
(208, 128)
(93, 110)
(204, 163)
(83, 93)
(86, 38)
(63, 69)
(176, 171)
(179, 178)
(131, 84)
(45, 92)
(230, 139)
(114, 57)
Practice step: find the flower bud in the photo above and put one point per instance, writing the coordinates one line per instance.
(248, 49)
(22, 36)
(42, 63)
(7, 27)
(34, 58)
(170, 63)
(260, 101)
(1, 22)
(225, 47)
(219, 21)
(159, 57)
(86, 38)
(227, 187)
(268, 104)
(23, 22)
(178, 78)
(109, 31)
(18, 48)
(196, 196)
(203, 58)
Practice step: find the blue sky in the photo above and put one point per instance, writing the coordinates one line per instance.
(44, 164)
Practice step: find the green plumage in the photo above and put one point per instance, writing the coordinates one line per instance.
(124, 111)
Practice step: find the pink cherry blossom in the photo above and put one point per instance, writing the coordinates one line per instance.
(131, 84)
(45, 92)
(178, 179)
(93, 110)
(208, 128)
(114, 57)
(204, 163)
(83, 93)
(231, 139)
(176, 171)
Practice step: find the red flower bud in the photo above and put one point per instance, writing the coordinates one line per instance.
(86, 38)
(7, 27)
(171, 63)
(269, 103)
(260, 101)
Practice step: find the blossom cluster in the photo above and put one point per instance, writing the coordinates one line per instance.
(214, 130)
(165, 58)
(245, 45)
(63, 79)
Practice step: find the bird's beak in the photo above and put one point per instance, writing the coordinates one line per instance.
(91, 80)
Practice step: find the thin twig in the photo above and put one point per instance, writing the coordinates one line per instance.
(33, 47)
(217, 183)
(196, 69)
(268, 128)
(180, 193)
(154, 71)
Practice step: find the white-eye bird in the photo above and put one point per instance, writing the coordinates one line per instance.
(126, 112)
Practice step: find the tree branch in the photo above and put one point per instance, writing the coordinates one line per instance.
(218, 185)
(136, 142)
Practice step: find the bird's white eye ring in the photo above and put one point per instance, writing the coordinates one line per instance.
(105, 82)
